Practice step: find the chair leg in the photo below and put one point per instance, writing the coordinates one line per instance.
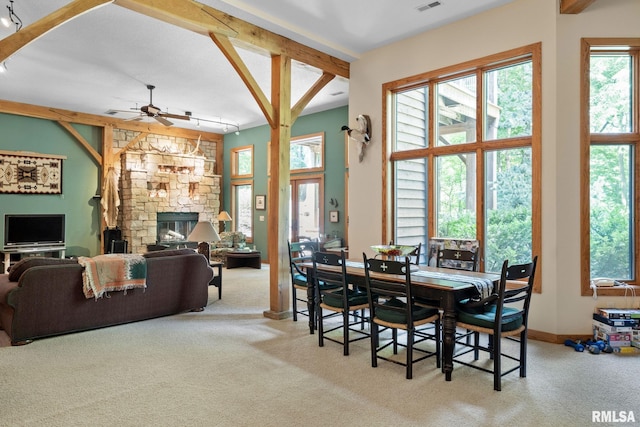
(394, 334)
(476, 345)
(523, 353)
(345, 328)
(438, 336)
(294, 304)
(374, 344)
(410, 337)
(490, 347)
(320, 326)
(497, 369)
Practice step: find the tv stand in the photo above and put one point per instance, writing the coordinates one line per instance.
(13, 255)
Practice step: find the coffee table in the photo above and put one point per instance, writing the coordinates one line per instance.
(237, 259)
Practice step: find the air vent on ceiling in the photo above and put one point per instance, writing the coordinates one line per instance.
(428, 6)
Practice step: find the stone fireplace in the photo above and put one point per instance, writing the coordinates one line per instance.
(159, 182)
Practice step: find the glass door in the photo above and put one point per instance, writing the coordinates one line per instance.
(305, 209)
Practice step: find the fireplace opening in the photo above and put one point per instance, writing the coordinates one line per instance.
(174, 228)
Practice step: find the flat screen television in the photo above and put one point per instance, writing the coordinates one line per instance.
(33, 230)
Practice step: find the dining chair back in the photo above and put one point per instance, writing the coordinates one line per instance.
(504, 314)
(300, 252)
(458, 259)
(393, 307)
(334, 294)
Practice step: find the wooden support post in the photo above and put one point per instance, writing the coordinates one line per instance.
(278, 200)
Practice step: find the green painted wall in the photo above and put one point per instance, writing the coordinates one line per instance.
(328, 122)
(80, 179)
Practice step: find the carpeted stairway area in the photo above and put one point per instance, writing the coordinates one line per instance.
(231, 366)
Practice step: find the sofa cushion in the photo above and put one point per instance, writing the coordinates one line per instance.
(26, 263)
(171, 252)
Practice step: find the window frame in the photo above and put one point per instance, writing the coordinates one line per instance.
(234, 213)
(235, 166)
(293, 140)
(480, 146)
(587, 139)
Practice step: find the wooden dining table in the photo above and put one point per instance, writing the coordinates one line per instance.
(441, 286)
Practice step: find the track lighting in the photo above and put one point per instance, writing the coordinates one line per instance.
(12, 18)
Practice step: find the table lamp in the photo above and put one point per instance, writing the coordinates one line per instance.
(204, 233)
(224, 217)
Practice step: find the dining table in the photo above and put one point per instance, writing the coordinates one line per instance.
(442, 287)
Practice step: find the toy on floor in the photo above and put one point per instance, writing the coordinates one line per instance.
(601, 345)
(577, 346)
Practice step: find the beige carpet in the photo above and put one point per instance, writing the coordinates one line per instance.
(231, 366)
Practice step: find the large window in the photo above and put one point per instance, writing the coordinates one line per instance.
(465, 156)
(242, 190)
(610, 138)
(241, 212)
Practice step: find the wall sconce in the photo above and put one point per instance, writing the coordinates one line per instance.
(224, 217)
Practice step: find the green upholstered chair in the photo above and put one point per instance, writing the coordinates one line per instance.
(339, 299)
(501, 315)
(392, 306)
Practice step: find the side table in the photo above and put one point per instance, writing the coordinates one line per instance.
(244, 259)
(217, 277)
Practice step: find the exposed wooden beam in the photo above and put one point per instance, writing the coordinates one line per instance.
(96, 156)
(58, 114)
(307, 97)
(574, 6)
(204, 19)
(187, 14)
(224, 44)
(16, 41)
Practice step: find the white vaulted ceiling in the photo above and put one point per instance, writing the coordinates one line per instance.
(103, 59)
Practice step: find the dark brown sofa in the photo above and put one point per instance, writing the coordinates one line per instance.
(48, 300)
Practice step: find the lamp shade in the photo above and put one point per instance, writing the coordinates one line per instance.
(224, 216)
(204, 232)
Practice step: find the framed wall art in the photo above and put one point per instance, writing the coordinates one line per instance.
(30, 173)
(261, 202)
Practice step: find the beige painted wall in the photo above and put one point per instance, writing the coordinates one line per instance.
(559, 309)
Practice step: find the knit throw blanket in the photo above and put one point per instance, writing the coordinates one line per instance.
(112, 272)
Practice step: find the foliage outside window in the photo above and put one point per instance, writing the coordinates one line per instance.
(306, 154)
(242, 211)
(609, 162)
(242, 162)
(465, 169)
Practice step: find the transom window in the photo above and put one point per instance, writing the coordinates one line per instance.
(610, 137)
(465, 156)
(242, 162)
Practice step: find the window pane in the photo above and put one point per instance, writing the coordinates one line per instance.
(243, 209)
(411, 124)
(508, 202)
(306, 153)
(610, 222)
(611, 93)
(456, 196)
(456, 110)
(508, 102)
(308, 209)
(411, 202)
(244, 162)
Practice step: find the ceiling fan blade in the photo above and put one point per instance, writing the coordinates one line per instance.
(163, 120)
(174, 116)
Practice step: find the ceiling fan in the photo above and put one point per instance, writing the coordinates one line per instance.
(154, 112)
